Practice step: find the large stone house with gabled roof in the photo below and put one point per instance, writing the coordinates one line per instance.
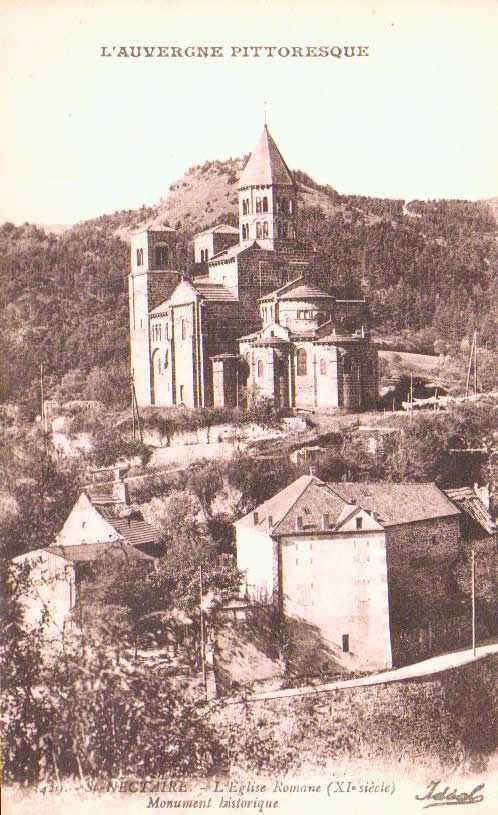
(184, 334)
(372, 566)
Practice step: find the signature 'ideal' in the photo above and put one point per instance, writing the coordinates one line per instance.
(442, 797)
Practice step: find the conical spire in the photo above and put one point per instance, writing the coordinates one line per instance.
(266, 165)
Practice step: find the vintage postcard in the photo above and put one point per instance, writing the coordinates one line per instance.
(248, 406)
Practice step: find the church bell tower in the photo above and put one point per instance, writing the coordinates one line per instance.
(267, 198)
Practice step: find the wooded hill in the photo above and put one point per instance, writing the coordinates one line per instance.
(429, 270)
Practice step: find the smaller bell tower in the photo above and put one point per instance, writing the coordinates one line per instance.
(152, 278)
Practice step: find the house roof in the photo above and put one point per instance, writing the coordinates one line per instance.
(397, 503)
(224, 229)
(266, 165)
(307, 496)
(470, 503)
(135, 532)
(91, 552)
(310, 498)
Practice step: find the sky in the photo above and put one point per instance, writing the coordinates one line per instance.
(85, 135)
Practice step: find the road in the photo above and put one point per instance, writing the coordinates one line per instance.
(427, 667)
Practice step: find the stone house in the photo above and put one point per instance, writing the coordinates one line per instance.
(370, 565)
(479, 534)
(92, 536)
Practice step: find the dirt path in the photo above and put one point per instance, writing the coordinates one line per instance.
(424, 668)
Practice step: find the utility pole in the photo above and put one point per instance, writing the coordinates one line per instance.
(132, 407)
(475, 362)
(473, 574)
(472, 355)
(203, 646)
(42, 395)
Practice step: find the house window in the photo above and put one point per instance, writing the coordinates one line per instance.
(244, 207)
(184, 330)
(258, 205)
(345, 643)
(265, 229)
(346, 365)
(166, 358)
(359, 523)
(323, 367)
(265, 204)
(162, 255)
(284, 230)
(140, 257)
(260, 369)
(276, 205)
(284, 204)
(291, 205)
(182, 389)
(258, 230)
(302, 362)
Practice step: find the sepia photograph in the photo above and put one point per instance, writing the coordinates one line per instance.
(248, 406)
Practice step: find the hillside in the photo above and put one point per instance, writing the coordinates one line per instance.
(429, 270)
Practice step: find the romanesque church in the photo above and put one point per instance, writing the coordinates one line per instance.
(260, 316)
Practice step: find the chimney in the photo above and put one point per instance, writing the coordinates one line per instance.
(255, 518)
(325, 520)
(299, 522)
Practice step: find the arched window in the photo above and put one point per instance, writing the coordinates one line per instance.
(346, 365)
(302, 362)
(260, 369)
(265, 229)
(162, 255)
(140, 257)
(265, 204)
(258, 230)
(323, 366)
(184, 330)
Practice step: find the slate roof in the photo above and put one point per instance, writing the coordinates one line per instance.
(304, 291)
(397, 503)
(225, 229)
(283, 288)
(229, 253)
(215, 292)
(470, 503)
(135, 532)
(90, 552)
(266, 164)
(310, 498)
